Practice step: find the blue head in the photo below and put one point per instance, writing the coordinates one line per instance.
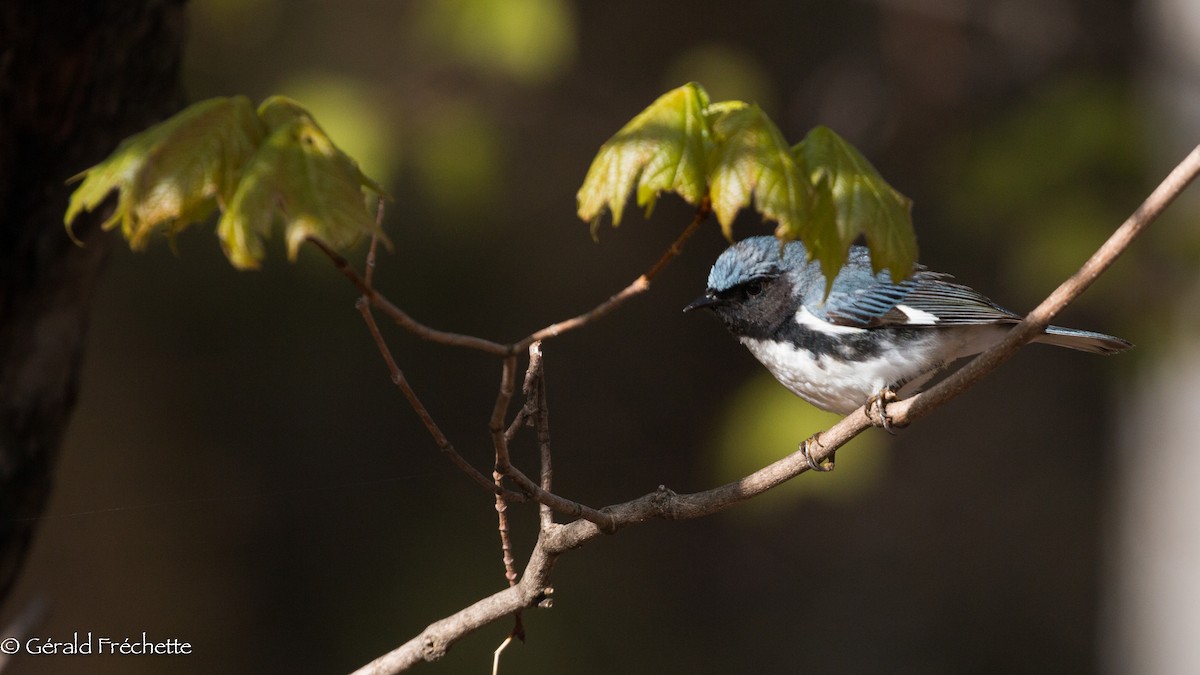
(765, 257)
(756, 257)
(758, 283)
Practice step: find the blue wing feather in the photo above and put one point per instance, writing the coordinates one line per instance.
(862, 299)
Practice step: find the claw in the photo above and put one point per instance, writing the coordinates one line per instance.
(813, 464)
(877, 405)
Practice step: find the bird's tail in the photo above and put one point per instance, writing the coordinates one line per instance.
(1083, 340)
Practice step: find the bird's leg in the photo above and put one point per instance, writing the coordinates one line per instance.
(877, 405)
(813, 464)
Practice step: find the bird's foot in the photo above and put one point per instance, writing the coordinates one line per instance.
(877, 409)
(805, 450)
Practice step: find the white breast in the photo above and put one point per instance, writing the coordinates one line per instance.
(841, 386)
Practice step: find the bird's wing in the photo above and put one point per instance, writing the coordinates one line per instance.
(925, 299)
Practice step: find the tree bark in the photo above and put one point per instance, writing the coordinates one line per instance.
(75, 78)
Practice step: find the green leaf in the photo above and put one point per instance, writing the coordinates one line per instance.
(752, 163)
(174, 173)
(863, 203)
(822, 192)
(257, 167)
(821, 237)
(664, 148)
(298, 176)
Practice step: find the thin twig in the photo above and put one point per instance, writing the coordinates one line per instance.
(503, 461)
(565, 506)
(500, 650)
(676, 247)
(369, 276)
(524, 416)
(555, 540)
(638, 286)
(505, 543)
(499, 410)
(533, 374)
(519, 420)
(439, 438)
(398, 315)
(410, 395)
(535, 411)
(500, 441)
(504, 464)
(542, 423)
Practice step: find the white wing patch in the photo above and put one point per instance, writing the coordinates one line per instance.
(810, 320)
(918, 316)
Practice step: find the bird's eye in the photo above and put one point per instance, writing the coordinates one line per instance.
(754, 288)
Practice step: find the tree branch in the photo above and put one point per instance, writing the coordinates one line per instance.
(500, 435)
(508, 378)
(554, 540)
(424, 332)
(410, 395)
(542, 425)
(1036, 321)
(638, 286)
(504, 466)
(400, 317)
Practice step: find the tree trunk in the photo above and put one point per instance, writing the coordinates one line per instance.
(75, 78)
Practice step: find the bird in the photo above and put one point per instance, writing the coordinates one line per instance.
(869, 340)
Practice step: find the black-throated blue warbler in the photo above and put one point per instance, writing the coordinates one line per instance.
(870, 339)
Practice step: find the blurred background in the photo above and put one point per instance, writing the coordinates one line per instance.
(241, 474)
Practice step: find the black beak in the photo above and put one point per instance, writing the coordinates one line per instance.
(707, 300)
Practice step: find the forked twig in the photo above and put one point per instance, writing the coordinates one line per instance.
(410, 395)
(524, 483)
(501, 436)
